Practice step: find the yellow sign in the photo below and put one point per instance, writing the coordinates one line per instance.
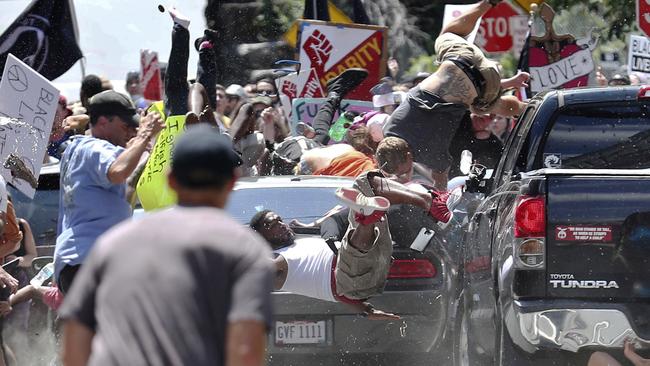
(152, 188)
(525, 4)
(159, 107)
(336, 16)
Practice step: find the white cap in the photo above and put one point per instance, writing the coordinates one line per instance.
(238, 90)
(382, 100)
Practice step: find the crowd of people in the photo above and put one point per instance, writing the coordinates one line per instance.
(202, 294)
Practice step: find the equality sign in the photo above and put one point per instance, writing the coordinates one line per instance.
(152, 188)
(639, 55)
(327, 49)
(150, 82)
(31, 100)
(305, 109)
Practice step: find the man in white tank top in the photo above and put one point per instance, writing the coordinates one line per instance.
(306, 265)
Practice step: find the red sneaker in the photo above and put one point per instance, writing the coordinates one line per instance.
(443, 204)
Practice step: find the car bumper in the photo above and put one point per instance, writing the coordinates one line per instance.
(572, 329)
(422, 324)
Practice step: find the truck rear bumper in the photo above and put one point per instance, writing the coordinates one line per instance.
(573, 329)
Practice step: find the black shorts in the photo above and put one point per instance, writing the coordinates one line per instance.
(428, 124)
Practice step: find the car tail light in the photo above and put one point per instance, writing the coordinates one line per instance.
(530, 229)
(530, 217)
(412, 268)
(644, 92)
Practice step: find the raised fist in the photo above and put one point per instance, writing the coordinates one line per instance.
(289, 89)
(318, 49)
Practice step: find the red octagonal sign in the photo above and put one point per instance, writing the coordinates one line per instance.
(495, 34)
(643, 16)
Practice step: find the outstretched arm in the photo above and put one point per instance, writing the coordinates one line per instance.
(633, 356)
(518, 81)
(507, 106)
(373, 314)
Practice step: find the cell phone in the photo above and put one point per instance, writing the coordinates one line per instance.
(11, 266)
(423, 239)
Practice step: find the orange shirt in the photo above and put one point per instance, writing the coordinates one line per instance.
(350, 164)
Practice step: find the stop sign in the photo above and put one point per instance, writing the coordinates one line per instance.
(643, 16)
(495, 32)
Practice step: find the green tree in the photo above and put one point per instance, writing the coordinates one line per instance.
(619, 15)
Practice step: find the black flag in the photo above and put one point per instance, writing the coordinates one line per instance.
(44, 37)
(316, 9)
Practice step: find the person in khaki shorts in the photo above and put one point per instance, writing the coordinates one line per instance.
(357, 270)
(466, 79)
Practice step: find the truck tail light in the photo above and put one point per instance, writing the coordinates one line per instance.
(411, 268)
(530, 230)
(644, 92)
(530, 217)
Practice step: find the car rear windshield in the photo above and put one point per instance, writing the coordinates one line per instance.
(600, 137)
(305, 204)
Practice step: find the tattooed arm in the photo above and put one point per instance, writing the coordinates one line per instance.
(451, 84)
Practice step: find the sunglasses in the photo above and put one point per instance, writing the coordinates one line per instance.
(266, 93)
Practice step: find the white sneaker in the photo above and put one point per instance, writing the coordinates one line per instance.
(179, 18)
(360, 203)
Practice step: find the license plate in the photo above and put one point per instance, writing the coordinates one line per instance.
(300, 332)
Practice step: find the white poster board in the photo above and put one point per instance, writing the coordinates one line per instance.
(454, 11)
(26, 96)
(639, 55)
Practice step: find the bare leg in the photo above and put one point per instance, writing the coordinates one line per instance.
(363, 237)
(464, 24)
(602, 359)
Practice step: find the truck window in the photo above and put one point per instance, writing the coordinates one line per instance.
(598, 137)
(517, 146)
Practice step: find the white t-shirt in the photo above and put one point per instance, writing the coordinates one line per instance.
(309, 263)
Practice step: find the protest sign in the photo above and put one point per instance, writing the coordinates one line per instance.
(327, 49)
(639, 55)
(152, 188)
(29, 97)
(150, 82)
(305, 109)
(559, 61)
(453, 11)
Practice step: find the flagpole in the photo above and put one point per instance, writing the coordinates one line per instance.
(531, 19)
(73, 16)
(82, 63)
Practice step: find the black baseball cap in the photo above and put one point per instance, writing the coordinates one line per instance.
(112, 103)
(203, 157)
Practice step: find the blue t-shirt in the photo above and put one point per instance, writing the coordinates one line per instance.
(89, 204)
